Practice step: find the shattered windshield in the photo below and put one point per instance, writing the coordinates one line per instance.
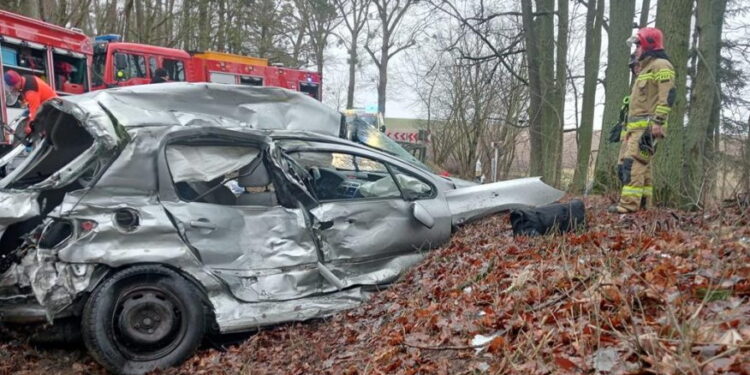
(371, 136)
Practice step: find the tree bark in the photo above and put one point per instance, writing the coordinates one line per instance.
(698, 149)
(594, 21)
(561, 82)
(616, 86)
(645, 9)
(673, 18)
(536, 157)
(551, 116)
(352, 72)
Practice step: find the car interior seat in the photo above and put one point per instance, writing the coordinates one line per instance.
(255, 175)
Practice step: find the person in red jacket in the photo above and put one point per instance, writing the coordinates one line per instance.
(32, 89)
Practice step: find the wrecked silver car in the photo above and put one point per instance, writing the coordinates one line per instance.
(157, 219)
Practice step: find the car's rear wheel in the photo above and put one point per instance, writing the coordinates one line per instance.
(143, 318)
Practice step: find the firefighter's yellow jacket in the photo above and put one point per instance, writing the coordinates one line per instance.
(653, 94)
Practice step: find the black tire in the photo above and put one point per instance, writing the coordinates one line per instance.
(143, 318)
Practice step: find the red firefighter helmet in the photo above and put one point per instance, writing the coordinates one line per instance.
(650, 39)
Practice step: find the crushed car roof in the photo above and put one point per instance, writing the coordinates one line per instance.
(211, 104)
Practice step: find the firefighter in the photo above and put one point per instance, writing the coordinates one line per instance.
(651, 100)
(32, 89)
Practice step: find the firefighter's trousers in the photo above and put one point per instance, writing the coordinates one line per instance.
(634, 170)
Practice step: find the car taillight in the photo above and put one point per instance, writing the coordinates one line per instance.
(87, 226)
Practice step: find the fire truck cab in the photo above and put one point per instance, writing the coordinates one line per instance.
(126, 64)
(59, 56)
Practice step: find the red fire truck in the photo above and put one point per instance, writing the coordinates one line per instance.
(58, 55)
(123, 64)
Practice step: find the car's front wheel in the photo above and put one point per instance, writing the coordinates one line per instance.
(143, 318)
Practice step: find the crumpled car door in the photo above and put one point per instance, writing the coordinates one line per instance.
(365, 211)
(262, 251)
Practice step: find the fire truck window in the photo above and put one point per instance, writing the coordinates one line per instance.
(222, 78)
(70, 74)
(24, 59)
(310, 89)
(251, 81)
(135, 67)
(152, 65)
(175, 69)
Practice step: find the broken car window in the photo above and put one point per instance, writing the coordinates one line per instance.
(412, 186)
(338, 176)
(225, 175)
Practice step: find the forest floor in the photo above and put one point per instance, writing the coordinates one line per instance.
(662, 292)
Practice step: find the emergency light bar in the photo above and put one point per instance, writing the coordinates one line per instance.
(108, 38)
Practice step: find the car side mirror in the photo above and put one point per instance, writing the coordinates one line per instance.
(121, 61)
(422, 215)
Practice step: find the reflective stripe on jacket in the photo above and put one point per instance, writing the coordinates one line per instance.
(650, 99)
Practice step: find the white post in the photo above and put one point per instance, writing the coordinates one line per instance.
(494, 162)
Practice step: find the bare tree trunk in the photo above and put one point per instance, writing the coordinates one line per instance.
(30, 8)
(561, 74)
(551, 115)
(536, 157)
(352, 72)
(746, 164)
(616, 86)
(698, 171)
(594, 21)
(204, 26)
(391, 15)
(645, 9)
(673, 18)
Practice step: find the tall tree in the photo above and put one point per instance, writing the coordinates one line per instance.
(545, 110)
(616, 86)
(393, 39)
(594, 21)
(645, 10)
(322, 18)
(673, 18)
(354, 14)
(535, 90)
(704, 101)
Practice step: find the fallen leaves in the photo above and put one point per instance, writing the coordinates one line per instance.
(629, 296)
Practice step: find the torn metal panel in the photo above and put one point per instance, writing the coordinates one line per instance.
(232, 316)
(246, 238)
(473, 202)
(376, 271)
(56, 285)
(376, 228)
(17, 206)
(155, 240)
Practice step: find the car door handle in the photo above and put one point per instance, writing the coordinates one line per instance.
(203, 224)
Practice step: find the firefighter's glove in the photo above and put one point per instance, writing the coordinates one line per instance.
(615, 133)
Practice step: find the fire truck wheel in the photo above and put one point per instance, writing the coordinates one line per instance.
(143, 318)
